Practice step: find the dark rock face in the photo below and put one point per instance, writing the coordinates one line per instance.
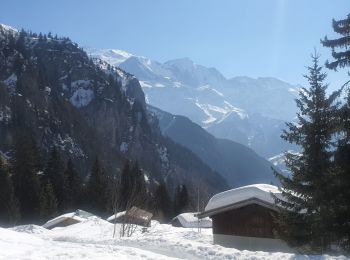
(50, 89)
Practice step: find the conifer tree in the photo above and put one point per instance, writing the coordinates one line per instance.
(48, 202)
(54, 174)
(72, 187)
(306, 211)
(139, 191)
(163, 202)
(133, 190)
(181, 199)
(97, 188)
(25, 170)
(9, 206)
(341, 58)
(125, 186)
(341, 184)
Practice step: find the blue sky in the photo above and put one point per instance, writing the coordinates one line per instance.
(238, 37)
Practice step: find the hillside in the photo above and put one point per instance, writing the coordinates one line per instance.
(51, 91)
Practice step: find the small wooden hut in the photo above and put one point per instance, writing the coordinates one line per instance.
(243, 218)
(134, 215)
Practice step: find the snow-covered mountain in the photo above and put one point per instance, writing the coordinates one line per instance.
(246, 110)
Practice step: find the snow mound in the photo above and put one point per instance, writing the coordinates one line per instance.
(89, 230)
(17, 245)
(258, 191)
(30, 229)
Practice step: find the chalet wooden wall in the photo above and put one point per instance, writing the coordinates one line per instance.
(252, 220)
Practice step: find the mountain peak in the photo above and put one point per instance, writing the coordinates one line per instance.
(113, 56)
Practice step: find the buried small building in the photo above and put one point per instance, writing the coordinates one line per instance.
(134, 215)
(243, 218)
(68, 219)
(190, 220)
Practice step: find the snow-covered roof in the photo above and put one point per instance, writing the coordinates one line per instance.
(115, 216)
(62, 218)
(78, 215)
(261, 192)
(189, 220)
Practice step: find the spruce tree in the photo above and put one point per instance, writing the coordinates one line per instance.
(341, 58)
(53, 174)
(48, 203)
(139, 192)
(306, 211)
(97, 188)
(126, 187)
(133, 190)
(162, 203)
(25, 176)
(72, 187)
(341, 184)
(181, 199)
(9, 206)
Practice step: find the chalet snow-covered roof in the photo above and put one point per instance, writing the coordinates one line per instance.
(78, 215)
(256, 193)
(190, 220)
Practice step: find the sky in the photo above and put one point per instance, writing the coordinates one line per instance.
(256, 38)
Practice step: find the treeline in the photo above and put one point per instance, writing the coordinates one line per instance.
(33, 192)
(42, 36)
(315, 211)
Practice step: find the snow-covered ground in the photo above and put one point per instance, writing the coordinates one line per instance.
(93, 239)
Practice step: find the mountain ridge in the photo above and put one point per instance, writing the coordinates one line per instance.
(217, 103)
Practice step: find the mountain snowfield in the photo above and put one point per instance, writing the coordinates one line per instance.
(93, 239)
(246, 110)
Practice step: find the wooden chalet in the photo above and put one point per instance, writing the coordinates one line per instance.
(134, 215)
(243, 218)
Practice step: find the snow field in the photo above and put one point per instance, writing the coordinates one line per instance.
(93, 239)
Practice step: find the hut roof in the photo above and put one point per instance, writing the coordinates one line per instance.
(190, 220)
(257, 193)
(78, 215)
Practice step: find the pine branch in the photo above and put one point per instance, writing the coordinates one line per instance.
(337, 43)
(342, 26)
